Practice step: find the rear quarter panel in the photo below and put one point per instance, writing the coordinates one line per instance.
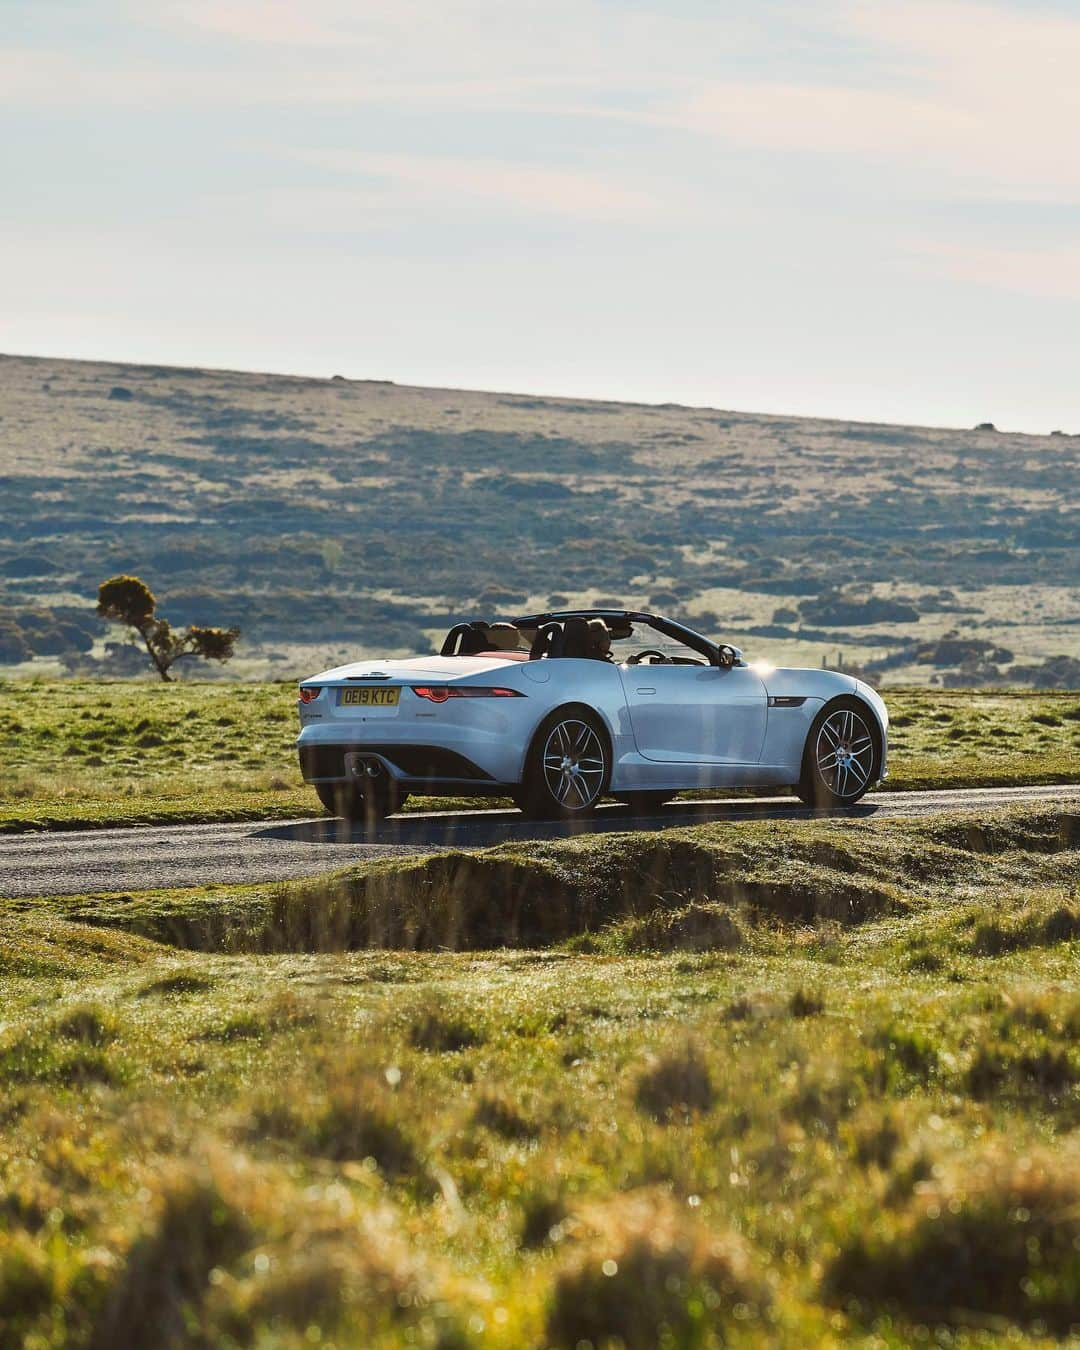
(567, 680)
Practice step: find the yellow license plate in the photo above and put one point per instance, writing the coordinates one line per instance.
(369, 696)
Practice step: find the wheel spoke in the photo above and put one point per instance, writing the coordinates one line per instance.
(859, 772)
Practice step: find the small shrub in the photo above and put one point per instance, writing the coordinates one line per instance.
(677, 1085)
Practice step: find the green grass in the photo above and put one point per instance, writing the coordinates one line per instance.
(82, 753)
(287, 1115)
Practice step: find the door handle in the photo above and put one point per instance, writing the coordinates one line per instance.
(645, 691)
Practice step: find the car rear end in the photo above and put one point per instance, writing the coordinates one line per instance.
(439, 726)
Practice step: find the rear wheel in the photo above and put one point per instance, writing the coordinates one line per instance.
(372, 801)
(842, 755)
(567, 767)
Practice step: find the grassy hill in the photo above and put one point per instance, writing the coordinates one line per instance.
(338, 516)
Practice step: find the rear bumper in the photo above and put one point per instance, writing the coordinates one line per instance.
(430, 769)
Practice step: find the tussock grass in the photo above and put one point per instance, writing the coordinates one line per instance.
(180, 982)
(353, 1120)
(695, 927)
(1034, 927)
(497, 1112)
(445, 1033)
(193, 1231)
(642, 1274)
(806, 1003)
(999, 1240)
(677, 1085)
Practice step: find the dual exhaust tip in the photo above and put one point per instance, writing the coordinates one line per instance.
(362, 766)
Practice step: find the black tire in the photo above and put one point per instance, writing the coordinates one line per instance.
(366, 804)
(644, 803)
(551, 790)
(842, 756)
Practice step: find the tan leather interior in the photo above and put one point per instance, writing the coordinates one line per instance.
(503, 637)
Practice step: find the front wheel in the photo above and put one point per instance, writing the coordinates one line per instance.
(567, 767)
(842, 756)
(376, 799)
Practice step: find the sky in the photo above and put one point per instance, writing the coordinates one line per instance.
(862, 210)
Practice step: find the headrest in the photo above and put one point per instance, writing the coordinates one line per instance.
(543, 644)
(503, 637)
(576, 637)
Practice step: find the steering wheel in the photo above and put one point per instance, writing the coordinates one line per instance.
(638, 657)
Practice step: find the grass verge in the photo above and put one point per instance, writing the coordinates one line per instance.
(80, 755)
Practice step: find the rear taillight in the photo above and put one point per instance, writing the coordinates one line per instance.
(439, 693)
(308, 695)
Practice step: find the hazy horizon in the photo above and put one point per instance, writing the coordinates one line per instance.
(857, 212)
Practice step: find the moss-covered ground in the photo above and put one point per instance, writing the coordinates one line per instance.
(780, 1084)
(83, 753)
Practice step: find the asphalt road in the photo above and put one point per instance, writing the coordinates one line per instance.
(149, 857)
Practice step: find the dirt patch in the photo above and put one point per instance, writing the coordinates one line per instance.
(1029, 832)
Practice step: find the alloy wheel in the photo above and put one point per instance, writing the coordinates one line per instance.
(574, 764)
(844, 753)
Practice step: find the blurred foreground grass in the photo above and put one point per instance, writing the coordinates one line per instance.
(80, 753)
(778, 1084)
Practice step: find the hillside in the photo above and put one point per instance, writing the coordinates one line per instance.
(331, 516)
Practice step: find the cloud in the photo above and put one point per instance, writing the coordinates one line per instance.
(1045, 273)
(968, 92)
(449, 180)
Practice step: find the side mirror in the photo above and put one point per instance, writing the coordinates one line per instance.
(726, 656)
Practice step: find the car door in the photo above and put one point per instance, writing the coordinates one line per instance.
(696, 714)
